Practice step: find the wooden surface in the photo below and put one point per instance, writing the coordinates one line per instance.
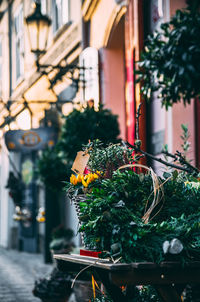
(168, 278)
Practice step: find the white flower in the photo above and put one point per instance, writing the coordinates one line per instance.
(176, 246)
(166, 246)
(173, 247)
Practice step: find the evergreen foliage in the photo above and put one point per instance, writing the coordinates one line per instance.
(169, 62)
(112, 218)
(89, 124)
(53, 169)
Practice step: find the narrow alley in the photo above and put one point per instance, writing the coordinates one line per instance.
(18, 271)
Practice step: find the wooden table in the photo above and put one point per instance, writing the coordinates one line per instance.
(168, 278)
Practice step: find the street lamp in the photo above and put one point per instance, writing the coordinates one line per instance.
(38, 30)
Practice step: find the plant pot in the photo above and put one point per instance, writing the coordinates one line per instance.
(83, 290)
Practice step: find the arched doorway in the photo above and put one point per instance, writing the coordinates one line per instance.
(112, 58)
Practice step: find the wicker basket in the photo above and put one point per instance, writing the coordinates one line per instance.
(76, 201)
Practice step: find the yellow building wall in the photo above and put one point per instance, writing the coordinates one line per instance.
(102, 21)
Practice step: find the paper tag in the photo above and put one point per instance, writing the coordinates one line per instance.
(80, 162)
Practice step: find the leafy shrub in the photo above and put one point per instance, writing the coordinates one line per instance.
(82, 126)
(112, 218)
(53, 169)
(57, 285)
(61, 239)
(168, 64)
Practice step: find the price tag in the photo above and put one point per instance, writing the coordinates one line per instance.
(80, 162)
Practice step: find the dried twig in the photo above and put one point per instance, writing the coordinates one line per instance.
(186, 166)
(169, 155)
(160, 160)
(179, 157)
(138, 114)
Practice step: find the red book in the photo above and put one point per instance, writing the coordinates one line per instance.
(89, 253)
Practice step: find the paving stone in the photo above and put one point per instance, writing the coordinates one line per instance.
(18, 271)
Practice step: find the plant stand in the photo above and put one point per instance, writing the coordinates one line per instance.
(168, 278)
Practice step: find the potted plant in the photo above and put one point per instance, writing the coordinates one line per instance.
(130, 214)
(55, 288)
(61, 240)
(80, 126)
(84, 124)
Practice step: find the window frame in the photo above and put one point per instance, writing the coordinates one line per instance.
(59, 18)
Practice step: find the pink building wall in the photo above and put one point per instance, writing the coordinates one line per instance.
(180, 113)
(113, 76)
(184, 115)
(113, 85)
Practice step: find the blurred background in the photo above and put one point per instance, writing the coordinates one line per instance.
(56, 57)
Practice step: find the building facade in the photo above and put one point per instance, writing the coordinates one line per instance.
(121, 34)
(28, 93)
(106, 36)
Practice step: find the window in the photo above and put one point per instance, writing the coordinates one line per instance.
(19, 43)
(61, 13)
(44, 7)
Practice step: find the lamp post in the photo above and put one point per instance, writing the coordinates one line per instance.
(38, 30)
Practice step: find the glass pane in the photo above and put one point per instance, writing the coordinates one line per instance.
(43, 35)
(0, 48)
(17, 62)
(19, 42)
(16, 23)
(44, 7)
(65, 11)
(21, 20)
(32, 29)
(58, 14)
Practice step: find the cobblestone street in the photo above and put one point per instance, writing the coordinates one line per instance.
(18, 271)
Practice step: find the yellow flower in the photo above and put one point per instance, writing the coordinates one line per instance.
(41, 219)
(79, 178)
(91, 179)
(85, 184)
(73, 180)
